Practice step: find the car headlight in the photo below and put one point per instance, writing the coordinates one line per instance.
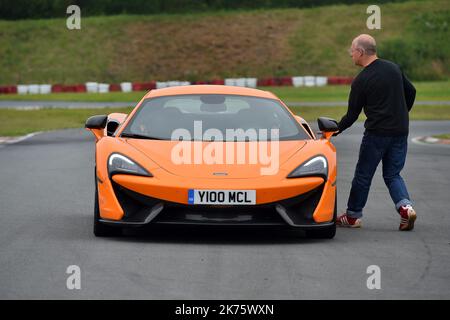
(317, 166)
(119, 164)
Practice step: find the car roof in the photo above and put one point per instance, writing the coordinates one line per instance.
(209, 89)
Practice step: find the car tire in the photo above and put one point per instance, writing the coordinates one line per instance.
(327, 232)
(100, 229)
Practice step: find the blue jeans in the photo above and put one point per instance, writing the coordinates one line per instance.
(392, 152)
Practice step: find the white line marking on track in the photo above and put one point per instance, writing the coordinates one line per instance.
(8, 140)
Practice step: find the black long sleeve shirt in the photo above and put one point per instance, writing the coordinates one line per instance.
(386, 96)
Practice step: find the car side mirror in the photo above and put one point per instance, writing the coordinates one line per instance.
(96, 122)
(327, 126)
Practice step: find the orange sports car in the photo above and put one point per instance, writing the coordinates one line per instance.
(213, 155)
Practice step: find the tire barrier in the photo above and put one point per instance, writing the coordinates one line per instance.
(91, 87)
(126, 87)
(95, 87)
(103, 88)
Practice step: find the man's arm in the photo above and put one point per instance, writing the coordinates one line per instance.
(410, 92)
(356, 102)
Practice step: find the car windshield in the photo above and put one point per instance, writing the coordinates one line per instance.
(213, 117)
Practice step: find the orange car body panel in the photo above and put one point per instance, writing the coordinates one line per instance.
(171, 182)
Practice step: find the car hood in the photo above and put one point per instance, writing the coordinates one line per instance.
(175, 157)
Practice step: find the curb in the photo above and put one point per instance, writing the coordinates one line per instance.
(11, 140)
(427, 140)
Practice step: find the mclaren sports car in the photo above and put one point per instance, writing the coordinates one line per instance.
(213, 155)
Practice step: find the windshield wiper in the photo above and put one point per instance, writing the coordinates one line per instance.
(138, 136)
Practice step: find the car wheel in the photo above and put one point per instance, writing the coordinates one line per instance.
(325, 233)
(100, 229)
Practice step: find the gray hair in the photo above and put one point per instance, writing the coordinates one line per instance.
(367, 44)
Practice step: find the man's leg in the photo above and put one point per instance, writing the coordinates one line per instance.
(393, 163)
(370, 155)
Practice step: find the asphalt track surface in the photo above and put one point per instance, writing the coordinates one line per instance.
(46, 208)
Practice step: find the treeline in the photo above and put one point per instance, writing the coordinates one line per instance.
(36, 9)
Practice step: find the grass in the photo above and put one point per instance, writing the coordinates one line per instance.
(429, 91)
(134, 96)
(417, 113)
(432, 91)
(203, 46)
(443, 136)
(21, 122)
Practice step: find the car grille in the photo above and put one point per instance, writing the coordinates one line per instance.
(296, 210)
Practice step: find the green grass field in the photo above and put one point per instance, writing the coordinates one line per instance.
(426, 91)
(21, 122)
(209, 45)
(445, 136)
(204, 46)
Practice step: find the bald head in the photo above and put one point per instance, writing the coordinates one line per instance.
(366, 43)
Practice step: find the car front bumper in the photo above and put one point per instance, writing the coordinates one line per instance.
(297, 212)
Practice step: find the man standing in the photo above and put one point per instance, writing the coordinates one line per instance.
(386, 96)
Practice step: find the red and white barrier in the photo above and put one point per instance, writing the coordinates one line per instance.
(45, 88)
(126, 86)
(91, 87)
(33, 89)
(103, 88)
(22, 89)
(114, 87)
(8, 90)
(321, 81)
(166, 84)
(310, 81)
(251, 82)
(298, 81)
(241, 82)
(95, 87)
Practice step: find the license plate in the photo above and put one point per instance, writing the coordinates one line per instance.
(222, 197)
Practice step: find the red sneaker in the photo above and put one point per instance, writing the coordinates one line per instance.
(345, 221)
(408, 217)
